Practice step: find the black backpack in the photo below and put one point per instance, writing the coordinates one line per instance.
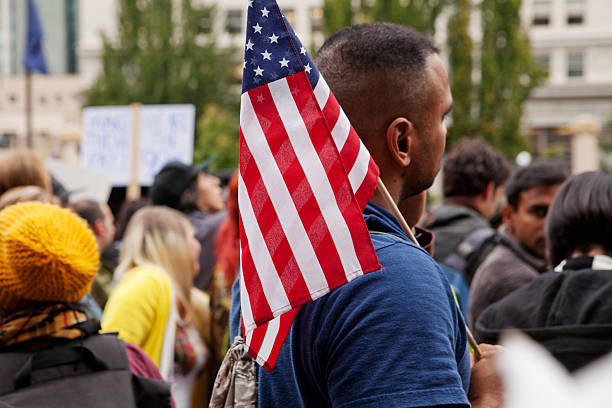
(472, 251)
(89, 372)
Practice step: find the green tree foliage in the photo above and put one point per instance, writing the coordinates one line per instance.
(460, 69)
(418, 14)
(164, 54)
(605, 146)
(218, 132)
(508, 74)
(337, 14)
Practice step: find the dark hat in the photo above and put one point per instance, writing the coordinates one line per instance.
(173, 179)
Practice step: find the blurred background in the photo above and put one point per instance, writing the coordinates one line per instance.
(532, 77)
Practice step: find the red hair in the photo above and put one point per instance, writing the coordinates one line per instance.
(227, 246)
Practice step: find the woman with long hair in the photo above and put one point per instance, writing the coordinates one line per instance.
(155, 305)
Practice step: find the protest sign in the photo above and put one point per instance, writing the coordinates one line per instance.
(165, 134)
(79, 182)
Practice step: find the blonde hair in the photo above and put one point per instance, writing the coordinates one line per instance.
(22, 168)
(27, 193)
(160, 236)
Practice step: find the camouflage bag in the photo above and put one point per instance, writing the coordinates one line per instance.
(236, 382)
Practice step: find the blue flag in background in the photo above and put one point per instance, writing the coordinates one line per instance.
(34, 57)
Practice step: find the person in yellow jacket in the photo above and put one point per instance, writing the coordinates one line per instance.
(155, 306)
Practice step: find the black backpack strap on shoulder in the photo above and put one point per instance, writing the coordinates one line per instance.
(56, 357)
(92, 371)
(467, 255)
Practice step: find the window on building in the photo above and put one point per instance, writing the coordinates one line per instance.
(575, 11)
(290, 16)
(316, 19)
(7, 139)
(12, 98)
(204, 17)
(541, 12)
(575, 64)
(543, 61)
(233, 23)
(42, 100)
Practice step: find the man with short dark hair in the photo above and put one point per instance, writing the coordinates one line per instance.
(102, 223)
(519, 254)
(198, 194)
(393, 337)
(473, 181)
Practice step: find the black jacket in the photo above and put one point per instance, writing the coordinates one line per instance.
(568, 312)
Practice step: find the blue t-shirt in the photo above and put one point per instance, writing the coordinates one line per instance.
(391, 338)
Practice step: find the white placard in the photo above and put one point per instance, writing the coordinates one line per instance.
(79, 182)
(106, 142)
(166, 133)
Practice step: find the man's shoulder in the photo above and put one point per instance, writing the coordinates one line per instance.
(450, 214)
(409, 277)
(504, 261)
(204, 223)
(399, 322)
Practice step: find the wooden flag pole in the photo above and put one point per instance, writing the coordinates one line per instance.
(400, 218)
(133, 189)
(28, 109)
(381, 187)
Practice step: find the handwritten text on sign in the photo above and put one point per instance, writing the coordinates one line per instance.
(166, 133)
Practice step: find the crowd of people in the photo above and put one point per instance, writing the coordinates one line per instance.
(71, 272)
(139, 308)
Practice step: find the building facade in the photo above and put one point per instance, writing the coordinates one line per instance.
(56, 99)
(572, 39)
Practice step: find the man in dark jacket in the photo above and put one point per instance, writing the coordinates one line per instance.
(518, 252)
(569, 310)
(102, 223)
(473, 183)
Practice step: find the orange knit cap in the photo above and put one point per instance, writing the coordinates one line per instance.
(47, 255)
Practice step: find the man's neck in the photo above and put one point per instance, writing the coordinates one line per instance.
(379, 199)
(465, 201)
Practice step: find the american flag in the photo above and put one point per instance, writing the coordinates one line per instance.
(304, 179)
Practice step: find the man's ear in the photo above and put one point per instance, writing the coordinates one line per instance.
(508, 217)
(399, 136)
(489, 191)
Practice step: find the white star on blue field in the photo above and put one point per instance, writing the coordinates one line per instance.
(272, 50)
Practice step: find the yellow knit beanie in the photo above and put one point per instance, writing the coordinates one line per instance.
(47, 254)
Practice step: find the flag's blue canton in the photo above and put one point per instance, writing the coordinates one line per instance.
(268, 53)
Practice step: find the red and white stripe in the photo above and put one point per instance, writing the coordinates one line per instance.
(361, 168)
(304, 179)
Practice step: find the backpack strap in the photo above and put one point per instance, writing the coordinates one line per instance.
(470, 252)
(56, 357)
(99, 352)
